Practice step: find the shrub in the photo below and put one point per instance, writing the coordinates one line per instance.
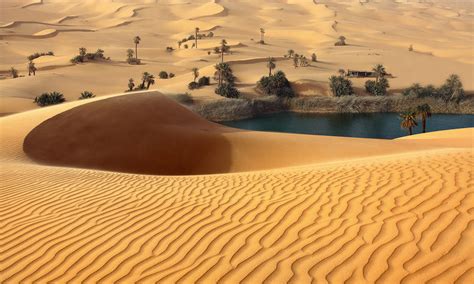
(340, 86)
(134, 61)
(276, 84)
(37, 55)
(47, 99)
(77, 59)
(193, 85)
(314, 58)
(169, 49)
(227, 90)
(86, 95)
(186, 46)
(204, 81)
(377, 88)
(14, 72)
(171, 75)
(451, 90)
(163, 75)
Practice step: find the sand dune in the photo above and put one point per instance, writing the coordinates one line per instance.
(403, 215)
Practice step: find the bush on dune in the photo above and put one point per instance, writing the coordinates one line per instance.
(47, 99)
(86, 95)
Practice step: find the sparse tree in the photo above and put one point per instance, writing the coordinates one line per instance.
(291, 52)
(31, 68)
(130, 53)
(379, 71)
(342, 41)
(195, 73)
(271, 65)
(408, 121)
(14, 72)
(424, 111)
(224, 48)
(262, 35)
(131, 84)
(136, 40)
(314, 58)
(196, 31)
(296, 60)
(452, 89)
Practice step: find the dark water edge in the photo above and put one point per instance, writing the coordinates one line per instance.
(366, 125)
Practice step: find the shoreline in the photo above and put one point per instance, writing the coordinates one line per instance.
(239, 109)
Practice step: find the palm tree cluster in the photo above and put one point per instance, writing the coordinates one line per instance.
(300, 60)
(196, 36)
(275, 85)
(380, 85)
(409, 118)
(203, 81)
(88, 56)
(225, 81)
(340, 85)
(451, 90)
(147, 80)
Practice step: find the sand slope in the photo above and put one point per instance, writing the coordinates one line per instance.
(394, 217)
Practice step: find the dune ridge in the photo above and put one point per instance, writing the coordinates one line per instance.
(401, 217)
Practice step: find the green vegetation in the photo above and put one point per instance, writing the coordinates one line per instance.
(227, 90)
(131, 84)
(136, 41)
(163, 75)
(340, 86)
(408, 120)
(85, 56)
(37, 55)
(271, 65)
(14, 72)
(47, 99)
(424, 111)
(451, 90)
(275, 85)
(86, 95)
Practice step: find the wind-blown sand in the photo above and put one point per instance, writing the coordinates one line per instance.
(404, 212)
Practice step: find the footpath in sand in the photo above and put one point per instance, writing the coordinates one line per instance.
(403, 213)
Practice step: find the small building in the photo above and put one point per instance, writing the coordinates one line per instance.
(361, 74)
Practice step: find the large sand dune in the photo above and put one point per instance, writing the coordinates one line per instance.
(402, 213)
(376, 31)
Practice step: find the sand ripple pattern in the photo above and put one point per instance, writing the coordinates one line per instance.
(407, 219)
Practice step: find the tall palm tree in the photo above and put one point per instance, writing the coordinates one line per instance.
(195, 73)
(271, 65)
(150, 80)
(408, 121)
(291, 52)
(424, 111)
(223, 49)
(131, 84)
(262, 35)
(196, 30)
(136, 40)
(144, 79)
(379, 71)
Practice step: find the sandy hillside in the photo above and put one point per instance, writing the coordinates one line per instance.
(376, 31)
(404, 212)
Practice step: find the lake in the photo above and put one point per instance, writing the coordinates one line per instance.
(371, 125)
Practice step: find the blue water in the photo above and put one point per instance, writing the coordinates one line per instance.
(374, 125)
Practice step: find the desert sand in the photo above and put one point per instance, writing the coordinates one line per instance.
(272, 208)
(376, 31)
(136, 188)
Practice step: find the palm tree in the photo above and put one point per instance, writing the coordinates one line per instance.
(262, 35)
(223, 49)
(424, 111)
(144, 79)
(179, 44)
(196, 30)
(291, 52)
(150, 80)
(408, 121)
(129, 54)
(379, 71)
(31, 68)
(195, 73)
(296, 59)
(342, 72)
(131, 84)
(271, 65)
(136, 40)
